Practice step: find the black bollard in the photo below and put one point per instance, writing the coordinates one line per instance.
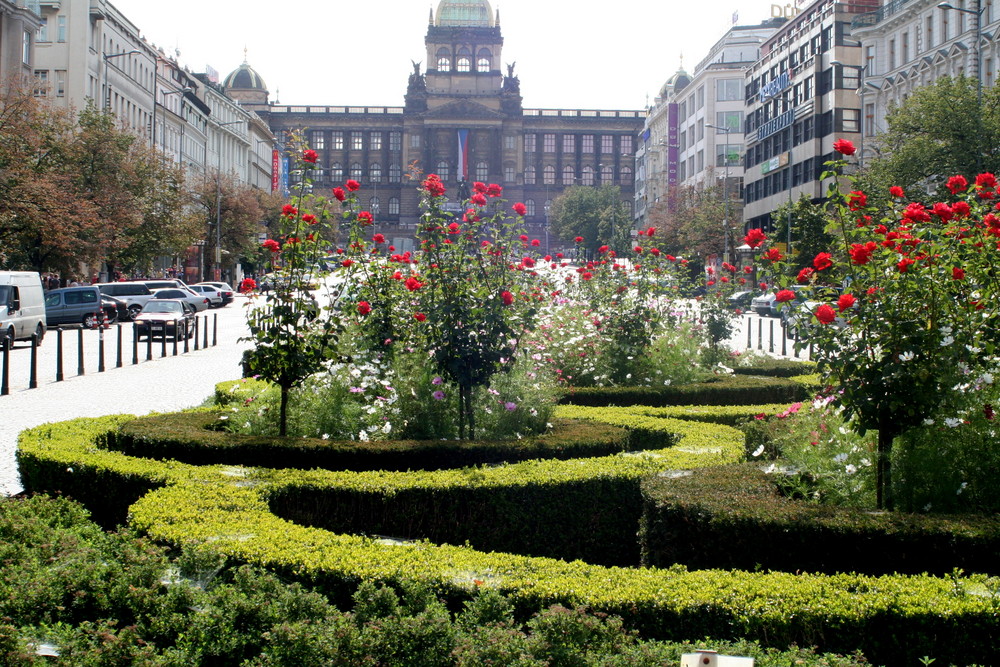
(33, 373)
(79, 351)
(175, 339)
(749, 333)
(5, 376)
(204, 343)
(149, 343)
(59, 356)
(195, 333)
(784, 339)
(760, 333)
(135, 344)
(100, 348)
(163, 343)
(187, 337)
(118, 350)
(770, 341)
(215, 329)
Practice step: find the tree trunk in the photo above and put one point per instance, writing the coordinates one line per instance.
(283, 413)
(883, 468)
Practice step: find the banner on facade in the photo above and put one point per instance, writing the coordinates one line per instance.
(463, 154)
(275, 170)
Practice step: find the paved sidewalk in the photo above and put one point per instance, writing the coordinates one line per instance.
(161, 385)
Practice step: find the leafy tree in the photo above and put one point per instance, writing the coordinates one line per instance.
(809, 231)
(597, 214)
(936, 133)
(691, 220)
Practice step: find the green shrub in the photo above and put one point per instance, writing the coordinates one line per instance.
(720, 390)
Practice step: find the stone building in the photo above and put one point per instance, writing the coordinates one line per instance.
(462, 118)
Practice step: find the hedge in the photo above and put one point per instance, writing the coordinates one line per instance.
(778, 368)
(734, 517)
(721, 390)
(894, 620)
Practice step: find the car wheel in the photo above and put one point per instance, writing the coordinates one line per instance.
(89, 321)
(133, 310)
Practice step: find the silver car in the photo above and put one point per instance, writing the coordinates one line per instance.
(199, 301)
(214, 295)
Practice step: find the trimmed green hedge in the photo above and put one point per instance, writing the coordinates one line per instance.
(778, 368)
(894, 620)
(722, 390)
(734, 517)
(196, 437)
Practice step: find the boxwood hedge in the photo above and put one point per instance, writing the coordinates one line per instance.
(720, 390)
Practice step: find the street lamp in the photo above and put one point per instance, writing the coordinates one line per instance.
(547, 206)
(978, 13)
(156, 102)
(218, 200)
(725, 194)
(106, 57)
(862, 85)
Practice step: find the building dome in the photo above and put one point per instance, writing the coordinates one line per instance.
(244, 78)
(676, 83)
(470, 13)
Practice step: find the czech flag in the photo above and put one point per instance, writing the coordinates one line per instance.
(463, 154)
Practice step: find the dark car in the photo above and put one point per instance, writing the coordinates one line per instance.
(115, 309)
(76, 305)
(165, 317)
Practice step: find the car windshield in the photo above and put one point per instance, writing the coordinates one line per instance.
(162, 307)
(4, 291)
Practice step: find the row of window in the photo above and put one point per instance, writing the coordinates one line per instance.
(43, 83)
(588, 175)
(586, 141)
(338, 140)
(819, 44)
(813, 127)
(778, 182)
(462, 60)
(43, 30)
(937, 30)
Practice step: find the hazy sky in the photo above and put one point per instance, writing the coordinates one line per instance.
(608, 55)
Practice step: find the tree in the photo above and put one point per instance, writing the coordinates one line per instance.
(597, 214)
(936, 133)
(809, 231)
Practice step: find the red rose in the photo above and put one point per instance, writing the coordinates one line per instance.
(413, 284)
(651, 232)
(755, 238)
(271, 245)
(528, 263)
(535, 243)
(822, 261)
(289, 210)
(309, 219)
(479, 199)
(310, 156)
(655, 252)
(862, 254)
(943, 211)
(784, 295)
(957, 274)
(352, 185)
(638, 249)
(957, 184)
(845, 301)
(578, 239)
(248, 285)
(347, 263)
(378, 238)
(896, 191)
(434, 186)
(916, 212)
(804, 275)
(856, 200)
(986, 180)
(494, 190)
(844, 147)
(419, 317)
(520, 208)
(826, 314)
(773, 255)
(904, 264)
(479, 187)
(961, 209)
(365, 218)
(364, 308)
(507, 298)
(338, 192)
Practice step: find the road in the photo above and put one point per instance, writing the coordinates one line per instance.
(162, 384)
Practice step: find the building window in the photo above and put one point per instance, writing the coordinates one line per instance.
(529, 175)
(508, 174)
(374, 141)
(357, 173)
(337, 172)
(26, 48)
(588, 175)
(43, 31)
(569, 143)
(892, 54)
(627, 145)
(626, 175)
(587, 143)
(61, 28)
(731, 120)
(395, 173)
(395, 141)
(482, 171)
(41, 82)
(509, 142)
(317, 140)
(414, 141)
(60, 83)
(357, 141)
(607, 174)
(483, 61)
(699, 164)
(869, 120)
(727, 155)
(906, 48)
(549, 175)
(549, 143)
(529, 204)
(699, 98)
(464, 61)
(568, 175)
(337, 140)
(607, 145)
(375, 173)
(529, 143)
(443, 171)
(729, 90)
(930, 31)
(393, 205)
(444, 60)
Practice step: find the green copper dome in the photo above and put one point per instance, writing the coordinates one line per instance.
(456, 13)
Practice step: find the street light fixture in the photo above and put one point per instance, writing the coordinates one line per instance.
(978, 13)
(218, 200)
(725, 193)
(104, 71)
(156, 102)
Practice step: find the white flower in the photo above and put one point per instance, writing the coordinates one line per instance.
(387, 428)
(758, 451)
(363, 435)
(850, 469)
(907, 356)
(927, 507)
(961, 488)
(946, 341)
(840, 458)
(952, 422)
(987, 378)
(928, 422)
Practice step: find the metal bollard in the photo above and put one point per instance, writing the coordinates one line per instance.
(135, 344)
(196, 333)
(749, 333)
(770, 340)
(79, 351)
(204, 343)
(149, 344)
(118, 349)
(33, 372)
(760, 334)
(5, 375)
(187, 337)
(59, 356)
(163, 343)
(784, 339)
(175, 340)
(215, 329)
(100, 348)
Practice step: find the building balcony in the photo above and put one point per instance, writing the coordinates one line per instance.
(873, 18)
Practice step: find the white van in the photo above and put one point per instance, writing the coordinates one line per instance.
(22, 307)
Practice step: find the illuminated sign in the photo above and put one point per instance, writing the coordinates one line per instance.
(776, 124)
(775, 86)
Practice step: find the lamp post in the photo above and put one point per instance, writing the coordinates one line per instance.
(104, 71)
(978, 13)
(862, 73)
(725, 193)
(547, 207)
(156, 102)
(217, 269)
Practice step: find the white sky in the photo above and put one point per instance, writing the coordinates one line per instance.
(597, 55)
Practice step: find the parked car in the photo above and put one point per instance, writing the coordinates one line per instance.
(115, 309)
(75, 305)
(199, 301)
(162, 284)
(165, 317)
(22, 307)
(740, 301)
(213, 294)
(134, 293)
(228, 293)
(766, 305)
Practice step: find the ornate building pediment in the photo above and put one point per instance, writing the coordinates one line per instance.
(464, 109)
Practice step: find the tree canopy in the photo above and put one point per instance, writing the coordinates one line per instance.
(597, 214)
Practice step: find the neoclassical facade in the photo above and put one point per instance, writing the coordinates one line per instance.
(462, 118)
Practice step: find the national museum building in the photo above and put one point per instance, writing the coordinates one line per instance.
(462, 119)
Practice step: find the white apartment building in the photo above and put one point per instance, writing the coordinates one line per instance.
(19, 20)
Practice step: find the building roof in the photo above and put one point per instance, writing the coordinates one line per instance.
(244, 78)
(467, 13)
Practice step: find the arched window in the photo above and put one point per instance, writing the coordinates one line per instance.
(373, 205)
(337, 172)
(444, 60)
(508, 174)
(549, 175)
(375, 173)
(483, 60)
(356, 171)
(443, 171)
(530, 205)
(529, 175)
(588, 175)
(394, 173)
(464, 61)
(393, 205)
(569, 175)
(482, 171)
(626, 175)
(607, 174)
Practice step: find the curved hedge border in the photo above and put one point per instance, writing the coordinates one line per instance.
(734, 517)
(722, 390)
(894, 620)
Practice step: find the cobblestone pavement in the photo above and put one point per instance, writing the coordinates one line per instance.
(162, 384)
